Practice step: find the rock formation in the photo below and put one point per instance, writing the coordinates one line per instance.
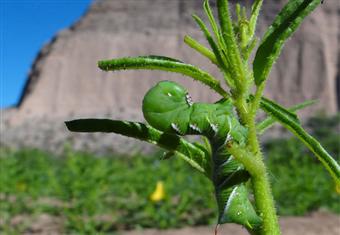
(65, 83)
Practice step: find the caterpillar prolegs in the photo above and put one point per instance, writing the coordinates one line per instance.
(169, 108)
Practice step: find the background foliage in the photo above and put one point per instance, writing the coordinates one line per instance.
(109, 193)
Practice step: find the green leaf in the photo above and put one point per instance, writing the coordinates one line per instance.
(214, 46)
(210, 15)
(173, 143)
(200, 48)
(229, 37)
(165, 64)
(284, 25)
(255, 11)
(227, 25)
(270, 121)
(291, 115)
(159, 57)
(287, 120)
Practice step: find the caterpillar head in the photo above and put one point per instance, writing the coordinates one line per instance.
(166, 106)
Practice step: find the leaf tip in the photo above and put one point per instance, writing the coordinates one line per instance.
(68, 125)
(103, 65)
(194, 16)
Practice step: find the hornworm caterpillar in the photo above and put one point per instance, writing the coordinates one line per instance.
(169, 108)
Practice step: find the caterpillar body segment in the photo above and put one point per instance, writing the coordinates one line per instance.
(238, 209)
(165, 107)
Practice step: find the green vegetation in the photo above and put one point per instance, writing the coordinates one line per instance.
(101, 193)
(300, 183)
(108, 193)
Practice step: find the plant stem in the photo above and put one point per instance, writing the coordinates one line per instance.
(261, 185)
(265, 203)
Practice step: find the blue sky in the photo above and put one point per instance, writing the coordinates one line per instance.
(25, 26)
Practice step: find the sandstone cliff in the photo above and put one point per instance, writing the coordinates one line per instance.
(64, 81)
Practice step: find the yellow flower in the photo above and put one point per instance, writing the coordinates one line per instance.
(21, 186)
(337, 188)
(158, 194)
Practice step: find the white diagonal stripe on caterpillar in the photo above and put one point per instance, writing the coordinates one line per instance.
(228, 139)
(195, 128)
(176, 128)
(214, 127)
(231, 197)
(188, 99)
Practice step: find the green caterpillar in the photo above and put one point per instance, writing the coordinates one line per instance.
(169, 108)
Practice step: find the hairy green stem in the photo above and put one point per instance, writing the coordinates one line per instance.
(257, 99)
(241, 107)
(245, 157)
(265, 203)
(253, 142)
(261, 185)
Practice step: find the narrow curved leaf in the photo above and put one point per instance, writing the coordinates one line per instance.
(173, 143)
(200, 48)
(255, 11)
(162, 63)
(285, 118)
(160, 57)
(212, 21)
(291, 115)
(214, 46)
(284, 25)
(227, 26)
(270, 121)
(233, 52)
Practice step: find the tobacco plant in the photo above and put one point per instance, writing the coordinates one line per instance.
(229, 153)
